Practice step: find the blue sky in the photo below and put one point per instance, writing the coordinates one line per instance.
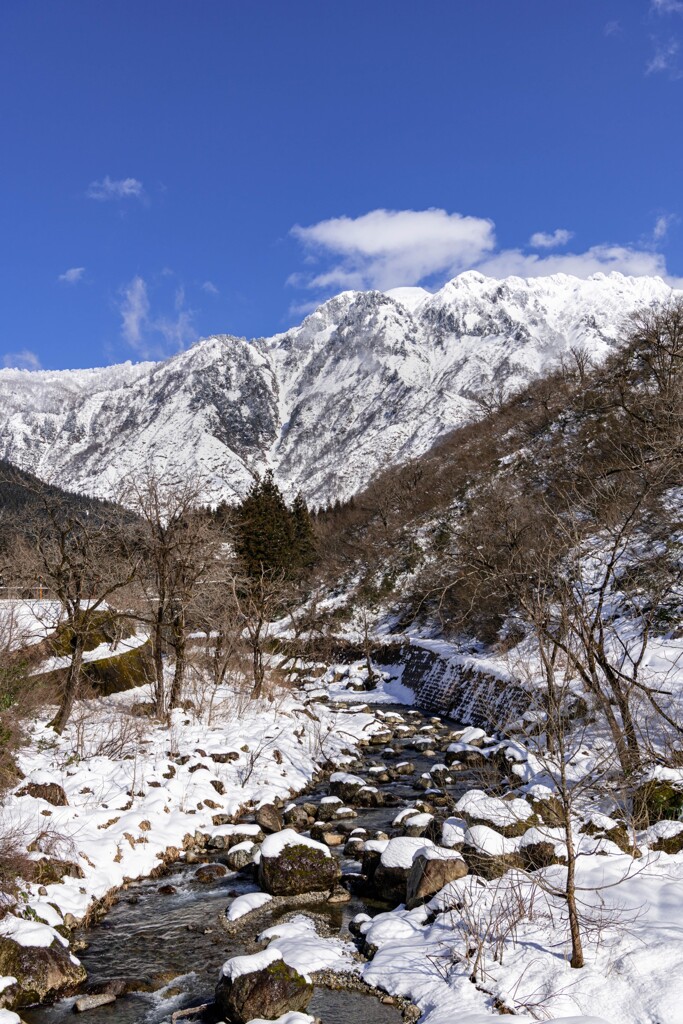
(173, 169)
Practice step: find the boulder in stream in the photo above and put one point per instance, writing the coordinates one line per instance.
(269, 818)
(432, 868)
(241, 856)
(42, 973)
(261, 986)
(395, 864)
(345, 786)
(291, 864)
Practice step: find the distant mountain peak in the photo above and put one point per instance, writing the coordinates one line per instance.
(367, 379)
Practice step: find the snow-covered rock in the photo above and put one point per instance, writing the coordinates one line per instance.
(291, 864)
(261, 985)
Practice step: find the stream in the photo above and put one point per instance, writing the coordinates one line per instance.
(176, 937)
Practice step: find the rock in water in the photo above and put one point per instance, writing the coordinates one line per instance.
(84, 1003)
(432, 869)
(292, 864)
(210, 872)
(42, 972)
(260, 986)
(269, 818)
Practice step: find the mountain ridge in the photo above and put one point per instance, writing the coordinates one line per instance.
(366, 380)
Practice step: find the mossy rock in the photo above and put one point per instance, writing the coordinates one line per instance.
(655, 801)
(619, 835)
(490, 866)
(48, 870)
(512, 830)
(121, 672)
(263, 994)
(298, 869)
(105, 628)
(43, 973)
(550, 809)
(669, 844)
(539, 855)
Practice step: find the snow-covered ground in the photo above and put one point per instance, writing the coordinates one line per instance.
(634, 955)
(24, 623)
(132, 800)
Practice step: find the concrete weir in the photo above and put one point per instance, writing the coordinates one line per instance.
(447, 682)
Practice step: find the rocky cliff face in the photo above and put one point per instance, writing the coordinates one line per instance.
(368, 379)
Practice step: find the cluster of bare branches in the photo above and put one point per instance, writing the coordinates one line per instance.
(161, 564)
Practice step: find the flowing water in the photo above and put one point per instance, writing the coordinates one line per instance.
(178, 935)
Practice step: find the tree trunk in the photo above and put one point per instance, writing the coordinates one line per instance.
(158, 644)
(570, 894)
(257, 690)
(73, 677)
(179, 647)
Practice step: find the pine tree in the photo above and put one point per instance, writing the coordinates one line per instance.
(264, 530)
(303, 537)
(270, 537)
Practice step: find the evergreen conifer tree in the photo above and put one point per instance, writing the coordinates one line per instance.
(303, 536)
(264, 530)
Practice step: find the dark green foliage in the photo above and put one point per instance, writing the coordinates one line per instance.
(270, 538)
(23, 495)
(303, 537)
(657, 801)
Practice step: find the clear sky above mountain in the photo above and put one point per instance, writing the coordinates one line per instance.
(170, 169)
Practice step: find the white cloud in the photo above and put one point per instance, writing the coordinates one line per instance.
(598, 259)
(72, 275)
(121, 188)
(134, 311)
(546, 240)
(665, 58)
(154, 336)
(24, 360)
(210, 288)
(662, 225)
(612, 28)
(667, 6)
(386, 248)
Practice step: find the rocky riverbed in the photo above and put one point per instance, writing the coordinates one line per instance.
(161, 946)
(284, 907)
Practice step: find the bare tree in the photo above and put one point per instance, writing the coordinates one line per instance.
(258, 601)
(72, 551)
(172, 546)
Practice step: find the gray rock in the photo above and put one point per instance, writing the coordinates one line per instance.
(84, 1003)
(268, 817)
(267, 993)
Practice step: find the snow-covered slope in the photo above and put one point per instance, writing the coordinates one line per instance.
(366, 380)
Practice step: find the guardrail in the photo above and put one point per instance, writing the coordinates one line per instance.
(37, 593)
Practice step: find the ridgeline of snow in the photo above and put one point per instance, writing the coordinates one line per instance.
(368, 379)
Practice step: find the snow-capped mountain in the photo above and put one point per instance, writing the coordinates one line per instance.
(368, 379)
